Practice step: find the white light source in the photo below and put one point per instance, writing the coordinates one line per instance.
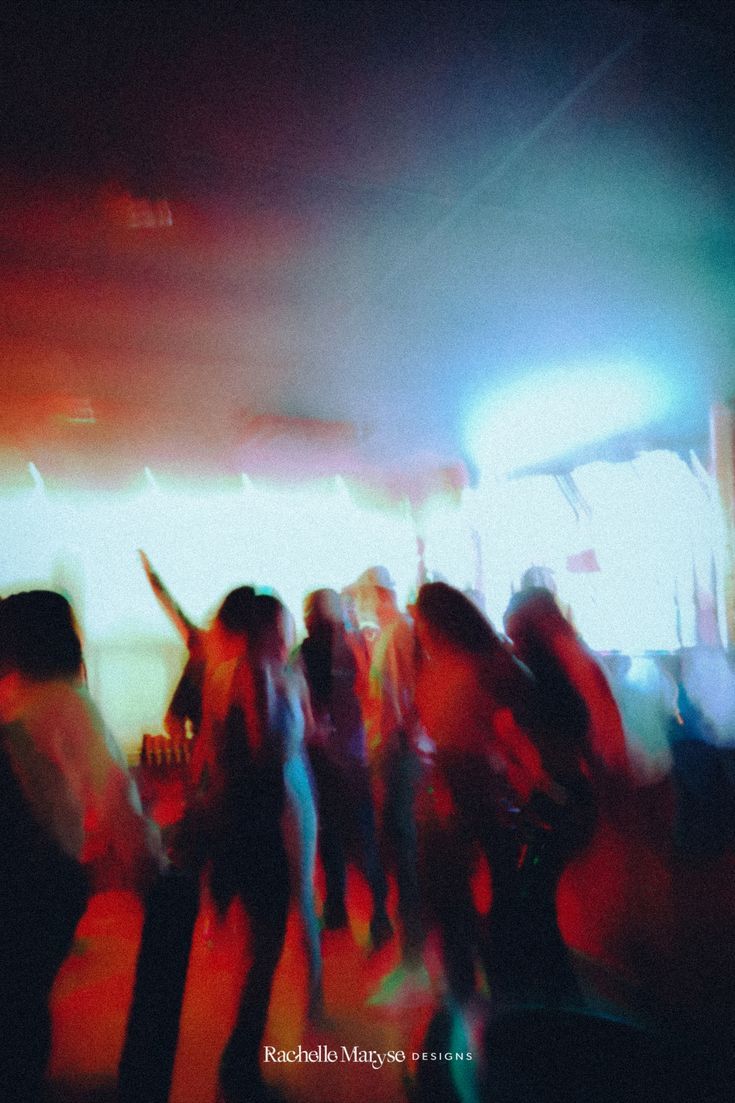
(549, 414)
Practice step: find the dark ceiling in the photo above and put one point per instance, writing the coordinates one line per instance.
(233, 233)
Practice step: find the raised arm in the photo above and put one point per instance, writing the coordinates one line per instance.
(171, 608)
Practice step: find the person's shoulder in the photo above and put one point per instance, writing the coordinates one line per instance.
(61, 699)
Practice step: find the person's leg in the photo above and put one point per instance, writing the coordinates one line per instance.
(266, 899)
(359, 802)
(25, 1034)
(331, 839)
(447, 873)
(147, 1061)
(36, 938)
(300, 837)
(401, 831)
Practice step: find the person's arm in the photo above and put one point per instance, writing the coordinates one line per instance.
(120, 841)
(171, 608)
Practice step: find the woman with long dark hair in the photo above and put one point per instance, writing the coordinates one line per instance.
(475, 701)
(581, 729)
(232, 829)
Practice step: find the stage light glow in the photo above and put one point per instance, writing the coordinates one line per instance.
(654, 525)
(552, 413)
(203, 540)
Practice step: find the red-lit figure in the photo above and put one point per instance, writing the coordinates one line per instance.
(70, 820)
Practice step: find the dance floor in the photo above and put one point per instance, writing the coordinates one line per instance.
(650, 937)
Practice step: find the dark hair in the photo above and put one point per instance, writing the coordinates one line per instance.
(322, 609)
(236, 611)
(449, 612)
(458, 620)
(534, 617)
(532, 620)
(39, 637)
(265, 611)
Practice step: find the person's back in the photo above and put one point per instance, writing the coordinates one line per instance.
(44, 893)
(581, 722)
(69, 768)
(330, 659)
(331, 672)
(232, 828)
(393, 681)
(72, 808)
(392, 739)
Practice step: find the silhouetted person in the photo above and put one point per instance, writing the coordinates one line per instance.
(581, 726)
(233, 826)
(703, 751)
(202, 645)
(393, 737)
(330, 661)
(289, 721)
(70, 820)
(473, 699)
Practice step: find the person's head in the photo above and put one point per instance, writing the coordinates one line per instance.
(235, 612)
(446, 618)
(375, 595)
(39, 638)
(532, 619)
(322, 610)
(539, 578)
(271, 629)
(227, 638)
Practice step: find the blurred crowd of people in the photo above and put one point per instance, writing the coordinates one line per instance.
(413, 743)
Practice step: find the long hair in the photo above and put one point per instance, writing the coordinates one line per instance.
(533, 620)
(266, 609)
(457, 619)
(236, 611)
(459, 622)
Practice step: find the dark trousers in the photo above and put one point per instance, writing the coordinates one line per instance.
(401, 775)
(704, 783)
(518, 943)
(347, 822)
(266, 900)
(36, 934)
(147, 1062)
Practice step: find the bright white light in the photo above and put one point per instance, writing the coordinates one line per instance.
(555, 412)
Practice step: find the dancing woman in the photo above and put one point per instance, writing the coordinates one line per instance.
(282, 699)
(232, 830)
(330, 657)
(477, 704)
